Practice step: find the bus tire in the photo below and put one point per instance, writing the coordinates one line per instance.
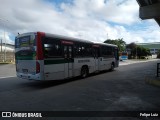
(112, 67)
(84, 72)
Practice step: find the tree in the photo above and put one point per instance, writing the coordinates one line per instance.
(138, 50)
(131, 46)
(119, 42)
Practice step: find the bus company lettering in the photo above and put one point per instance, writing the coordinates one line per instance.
(19, 114)
(14, 114)
(148, 114)
(82, 61)
(34, 115)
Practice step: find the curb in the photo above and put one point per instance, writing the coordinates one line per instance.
(133, 62)
(153, 81)
(6, 63)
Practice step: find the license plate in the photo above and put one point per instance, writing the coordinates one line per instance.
(25, 70)
(25, 77)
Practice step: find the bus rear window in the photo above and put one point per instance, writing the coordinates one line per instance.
(25, 47)
(24, 41)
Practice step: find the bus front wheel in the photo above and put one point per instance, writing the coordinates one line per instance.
(84, 72)
(112, 67)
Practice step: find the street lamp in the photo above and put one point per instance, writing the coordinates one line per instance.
(4, 40)
(136, 49)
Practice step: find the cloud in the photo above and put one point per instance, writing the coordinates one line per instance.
(118, 11)
(5, 37)
(94, 20)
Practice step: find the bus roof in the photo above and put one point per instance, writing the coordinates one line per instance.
(24, 34)
(106, 44)
(67, 38)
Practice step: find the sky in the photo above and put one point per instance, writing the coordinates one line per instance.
(94, 20)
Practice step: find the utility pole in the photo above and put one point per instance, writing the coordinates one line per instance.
(4, 45)
(136, 51)
(136, 48)
(107, 36)
(1, 45)
(3, 20)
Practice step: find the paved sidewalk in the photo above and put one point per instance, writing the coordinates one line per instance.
(127, 62)
(150, 76)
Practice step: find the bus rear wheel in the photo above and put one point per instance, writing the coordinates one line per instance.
(84, 72)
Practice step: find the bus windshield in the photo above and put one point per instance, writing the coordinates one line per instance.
(25, 48)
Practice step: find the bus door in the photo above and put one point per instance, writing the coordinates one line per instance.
(116, 54)
(96, 60)
(68, 56)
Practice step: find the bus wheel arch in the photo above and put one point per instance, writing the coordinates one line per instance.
(84, 71)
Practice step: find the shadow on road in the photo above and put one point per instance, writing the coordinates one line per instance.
(46, 84)
(51, 83)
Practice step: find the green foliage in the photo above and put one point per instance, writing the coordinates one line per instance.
(131, 46)
(119, 42)
(138, 50)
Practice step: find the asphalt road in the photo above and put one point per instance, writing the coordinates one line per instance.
(7, 70)
(121, 90)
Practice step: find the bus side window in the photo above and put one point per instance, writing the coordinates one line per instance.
(70, 52)
(46, 53)
(52, 47)
(65, 51)
(46, 47)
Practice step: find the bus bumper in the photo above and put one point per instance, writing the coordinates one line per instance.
(29, 76)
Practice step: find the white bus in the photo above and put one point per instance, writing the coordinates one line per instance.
(44, 56)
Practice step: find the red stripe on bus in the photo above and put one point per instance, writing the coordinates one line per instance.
(39, 45)
(95, 45)
(67, 42)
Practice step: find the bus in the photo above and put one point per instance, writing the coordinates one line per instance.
(45, 56)
(123, 56)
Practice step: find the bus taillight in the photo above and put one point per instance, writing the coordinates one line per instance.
(37, 67)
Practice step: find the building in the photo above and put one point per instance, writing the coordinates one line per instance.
(7, 52)
(154, 47)
(149, 9)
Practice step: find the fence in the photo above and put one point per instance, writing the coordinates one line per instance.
(10, 57)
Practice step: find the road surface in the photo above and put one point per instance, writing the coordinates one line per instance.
(121, 90)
